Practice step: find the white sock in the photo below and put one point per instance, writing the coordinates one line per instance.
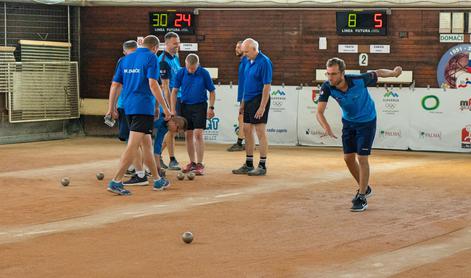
(141, 174)
(131, 168)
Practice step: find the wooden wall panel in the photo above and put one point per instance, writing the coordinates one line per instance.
(289, 37)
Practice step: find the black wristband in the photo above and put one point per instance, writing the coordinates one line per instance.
(211, 107)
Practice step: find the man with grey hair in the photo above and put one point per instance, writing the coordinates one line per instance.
(359, 120)
(255, 106)
(138, 73)
(194, 82)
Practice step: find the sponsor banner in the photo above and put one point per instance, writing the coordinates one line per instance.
(224, 126)
(310, 131)
(440, 120)
(392, 117)
(282, 118)
(423, 119)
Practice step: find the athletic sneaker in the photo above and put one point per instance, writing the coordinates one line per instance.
(244, 170)
(161, 184)
(199, 169)
(130, 173)
(368, 194)
(148, 173)
(136, 180)
(359, 204)
(236, 147)
(189, 167)
(259, 171)
(162, 164)
(117, 188)
(162, 173)
(173, 165)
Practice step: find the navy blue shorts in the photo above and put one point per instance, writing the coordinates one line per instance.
(250, 109)
(358, 137)
(123, 125)
(195, 114)
(141, 123)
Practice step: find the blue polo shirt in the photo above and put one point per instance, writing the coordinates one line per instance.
(194, 86)
(240, 87)
(356, 103)
(134, 72)
(257, 74)
(120, 97)
(169, 66)
(161, 127)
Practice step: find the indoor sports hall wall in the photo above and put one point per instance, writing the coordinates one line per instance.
(420, 119)
(289, 37)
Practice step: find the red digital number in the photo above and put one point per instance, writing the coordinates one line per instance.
(187, 19)
(182, 18)
(378, 20)
(178, 20)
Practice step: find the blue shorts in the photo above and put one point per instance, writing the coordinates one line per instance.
(358, 137)
(160, 131)
(123, 125)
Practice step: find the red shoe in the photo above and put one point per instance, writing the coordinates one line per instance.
(199, 169)
(189, 167)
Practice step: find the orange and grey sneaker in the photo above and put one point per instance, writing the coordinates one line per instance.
(199, 169)
(189, 167)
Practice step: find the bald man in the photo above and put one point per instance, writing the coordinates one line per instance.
(255, 106)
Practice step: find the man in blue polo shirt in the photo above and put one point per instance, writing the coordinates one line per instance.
(359, 120)
(194, 82)
(123, 127)
(138, 73)
(255, 106)
(169, 66)
(238, 146)
(128, 48)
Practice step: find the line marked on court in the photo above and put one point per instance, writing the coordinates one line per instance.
(228, 195)
(397, 261)
(115, 215)
(40, 232)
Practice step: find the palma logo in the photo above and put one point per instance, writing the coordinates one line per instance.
(314, 132)
(430, 135)
(466, 137)
(390, 133)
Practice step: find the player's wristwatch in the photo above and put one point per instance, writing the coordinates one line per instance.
(211, 107)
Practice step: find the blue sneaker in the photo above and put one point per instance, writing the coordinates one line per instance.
(117, 188)
(161, 184)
